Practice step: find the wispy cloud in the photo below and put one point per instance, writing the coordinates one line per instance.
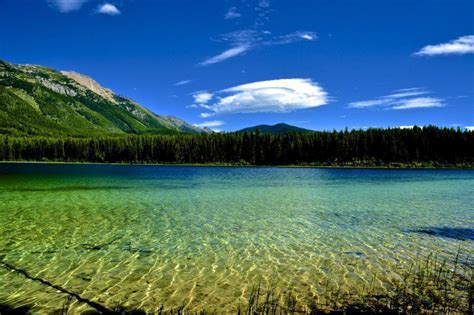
(369, 103)
(469, 128)
(243, 41)
(232, 13)
(210, 124)
(183, 82)
(263, 12)
(278, 96)
(230, 53)
(402, 99)
(419, 102)
(407, 93)
(460, 46)
(291, 38)
(66, 6)
(108, 9)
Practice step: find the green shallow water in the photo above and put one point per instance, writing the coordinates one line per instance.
(204, 236)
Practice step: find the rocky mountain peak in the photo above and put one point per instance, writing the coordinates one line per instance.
(91, 85)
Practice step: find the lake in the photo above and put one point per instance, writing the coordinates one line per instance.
(202, 237)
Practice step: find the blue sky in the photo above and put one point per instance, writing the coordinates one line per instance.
(229, 64)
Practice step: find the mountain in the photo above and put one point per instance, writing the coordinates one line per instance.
(278, 129)
(36, 100)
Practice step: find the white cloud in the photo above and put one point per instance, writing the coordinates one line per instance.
(369, 103)
(469, 128)
(419, 102)
(108, 9)
(210, 124)
(278, 96)
(184, 82)
(406, 127)
(232, 13)
(243, 41)
(462, 45)
(307, 36)
(232, 52)
(292, 37)
(402, 99)
(202, 97)
(67, 5)
(402, 93)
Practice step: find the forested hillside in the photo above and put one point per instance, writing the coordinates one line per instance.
(278, 129)
(429, 146)
(35, 100)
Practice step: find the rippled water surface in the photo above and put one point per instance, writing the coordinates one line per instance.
(203, 236)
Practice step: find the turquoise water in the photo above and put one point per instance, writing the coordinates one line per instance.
(204, 236)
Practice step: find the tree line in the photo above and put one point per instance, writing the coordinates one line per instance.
(428, 146)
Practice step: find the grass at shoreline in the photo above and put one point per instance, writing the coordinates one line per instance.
(323, 166)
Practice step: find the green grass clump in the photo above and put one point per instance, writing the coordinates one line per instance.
(432, 287)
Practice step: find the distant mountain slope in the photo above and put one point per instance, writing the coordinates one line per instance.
(278, 129)
(36, 100)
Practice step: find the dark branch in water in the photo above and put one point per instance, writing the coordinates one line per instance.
(100, 246)
(98, 307)
(127, 246)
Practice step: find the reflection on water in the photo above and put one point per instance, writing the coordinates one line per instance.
(203, 237)
(456, 233)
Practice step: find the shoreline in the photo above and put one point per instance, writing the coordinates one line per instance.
(399, 166)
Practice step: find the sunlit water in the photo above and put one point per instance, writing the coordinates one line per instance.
(202, 237)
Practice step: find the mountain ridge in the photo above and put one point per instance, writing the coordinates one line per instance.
(90, 84)
(277, 129)
(37, 100)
